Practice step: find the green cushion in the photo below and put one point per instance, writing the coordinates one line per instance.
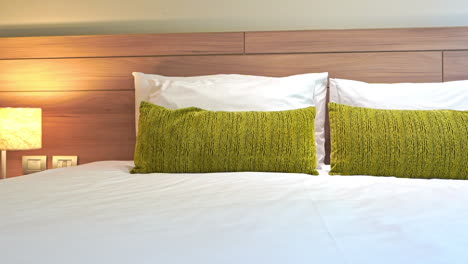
(196, 140)
(401, 143)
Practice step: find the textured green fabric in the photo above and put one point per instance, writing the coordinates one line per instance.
(196, 140)
(401, 143)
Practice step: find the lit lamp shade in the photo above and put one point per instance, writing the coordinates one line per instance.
(20, 128)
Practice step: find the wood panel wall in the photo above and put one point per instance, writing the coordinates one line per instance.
(85, 87)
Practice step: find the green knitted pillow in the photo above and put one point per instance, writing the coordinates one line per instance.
(401, 143)
(196, 140)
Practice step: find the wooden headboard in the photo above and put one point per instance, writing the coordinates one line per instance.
(85, 87)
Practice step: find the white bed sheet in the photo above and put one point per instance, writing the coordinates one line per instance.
(99, 213)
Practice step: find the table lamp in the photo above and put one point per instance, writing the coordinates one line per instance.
(20, 129)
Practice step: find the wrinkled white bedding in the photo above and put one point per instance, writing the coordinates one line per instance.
(99, 213)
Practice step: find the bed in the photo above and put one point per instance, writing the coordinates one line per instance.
(113, 217)
(100, 213)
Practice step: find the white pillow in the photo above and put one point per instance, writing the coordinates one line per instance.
(403, 96)
(233, 92)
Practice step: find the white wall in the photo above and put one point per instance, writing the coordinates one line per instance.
(74, 17)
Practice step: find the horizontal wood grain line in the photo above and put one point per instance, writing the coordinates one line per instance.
(233, 54)
(122, 45)
(355, 40)
(118, 56)
(349, 52)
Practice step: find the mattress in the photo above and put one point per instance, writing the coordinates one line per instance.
(99, 213)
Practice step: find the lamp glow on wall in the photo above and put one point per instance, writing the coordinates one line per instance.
(20, 129)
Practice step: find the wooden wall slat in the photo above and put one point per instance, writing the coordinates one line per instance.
(359, 40)
(455, 65)
(371, 67)
(311, 41)
(122, 45)
(115, 73)
(95, 125)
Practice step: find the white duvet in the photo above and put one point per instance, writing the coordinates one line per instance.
(99, 213)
